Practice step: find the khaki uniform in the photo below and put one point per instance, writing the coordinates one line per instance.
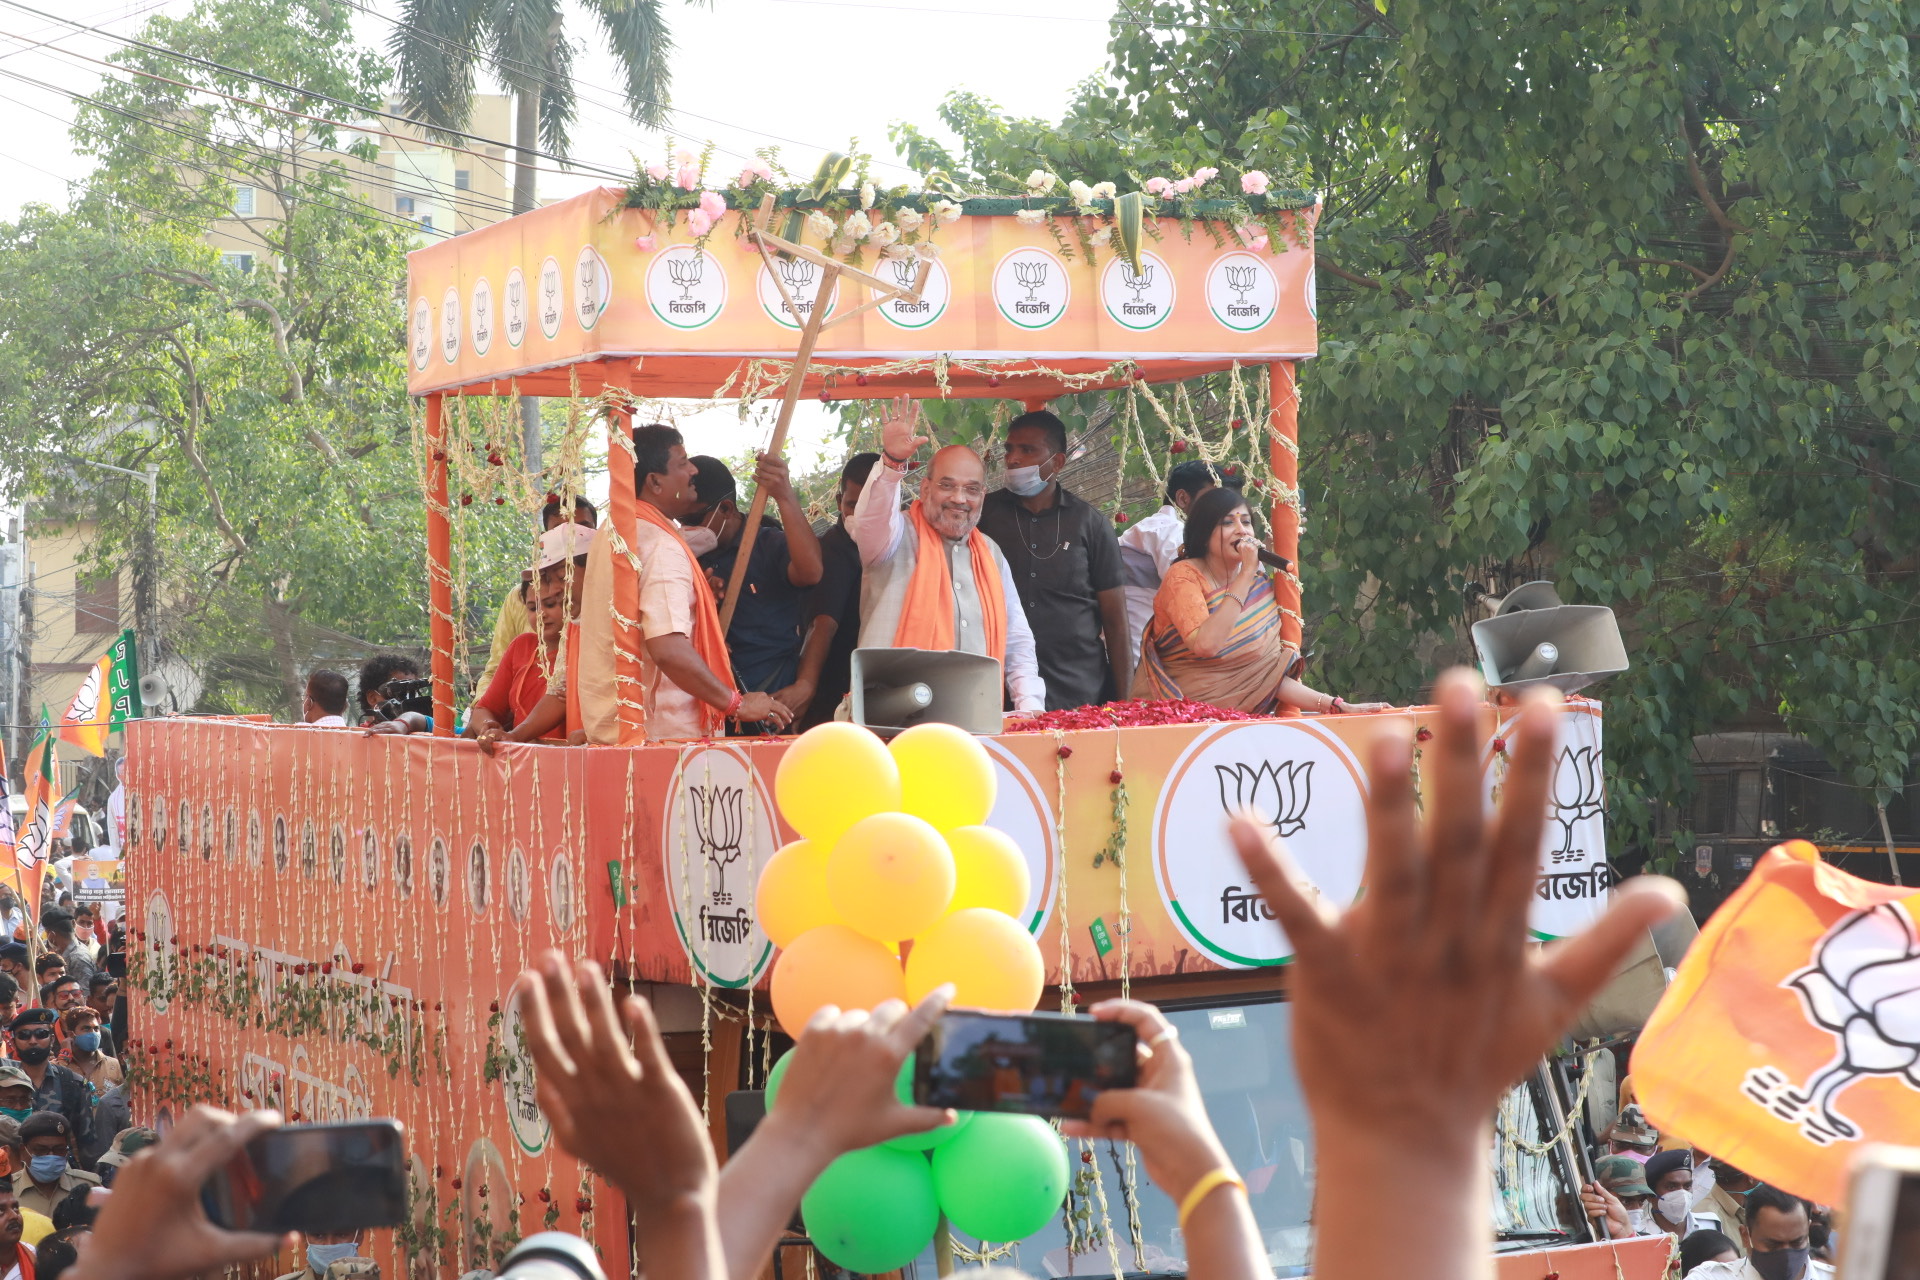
(44, 1199)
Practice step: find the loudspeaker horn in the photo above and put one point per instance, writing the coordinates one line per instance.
(154, 693)
(1536, 639)
(895, 689)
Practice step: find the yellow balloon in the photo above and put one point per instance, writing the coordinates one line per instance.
(946, 776)
(890, 876)
(831, 777)
(989, 871)
(991, 960)
(832, 965)
(792, 895)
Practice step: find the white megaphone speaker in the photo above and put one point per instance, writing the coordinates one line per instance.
(1535, 639)
(895, 689)
(154, 693)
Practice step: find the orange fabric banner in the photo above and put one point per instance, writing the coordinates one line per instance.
(927, 620)
(1791, 1035)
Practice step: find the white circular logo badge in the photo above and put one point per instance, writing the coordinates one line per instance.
(1137, 300)
(479, 878)
(718, 833)
(157, 831)
(337, 853)
(934, 295)
(403, 864)
(530, 1127)
(1031, 288)
(1242, 291)
(450, 325)
(160, 955)
(550, 302)
(480, 317)
(516, 308)
(422, 333)
(206, 831)
(802, 279)
(686, 287)
(1020, 810)
(561, 911)
(1296, 776)
(230, 832)
(437, 871)
(519, 887)
(309, 850)
(1575, 875)
(370, 860)
(256, 844)
(280, 855)
(592, 287)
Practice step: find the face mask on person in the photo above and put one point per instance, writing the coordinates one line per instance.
(1638, 1157)
(46, 1168)
(17, 1113)
(86, 1041)
(1025, 482)
(32, 1055)
(322, 1256)
(1674, 1205)
(1781, 1264)
(1640, 1219)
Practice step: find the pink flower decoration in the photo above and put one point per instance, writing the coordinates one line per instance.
(699, 222)
(1251, 236)
(1183, 186)
(688, 178)
(1205, 175)
(656, 173)
(1254, 183)
(713, 204)
(643, 243)
(684, 156)
(1158, 186)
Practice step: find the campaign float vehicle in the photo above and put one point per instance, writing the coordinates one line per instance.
(334, 924)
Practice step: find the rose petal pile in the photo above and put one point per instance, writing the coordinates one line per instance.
(1122, 715)
(895, 849)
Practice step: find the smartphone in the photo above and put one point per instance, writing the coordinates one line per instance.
(1882, 1238)
(320, 1178)
(1037, 1064)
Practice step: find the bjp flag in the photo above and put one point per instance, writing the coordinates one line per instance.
(1790, 1037)
(104, 700)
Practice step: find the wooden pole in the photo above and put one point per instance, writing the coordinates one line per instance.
(1283, 456)
(439, 569)
(943, 1248)
(623, 515)
(810, 334)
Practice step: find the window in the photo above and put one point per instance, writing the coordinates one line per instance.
(96, 605)
(243, 202)
(426, 223)
(242, 262)
(1713, 803)
(463, 179)
(403, 204)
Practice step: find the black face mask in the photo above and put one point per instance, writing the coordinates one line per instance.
(1781, 1264)
(32, 1055)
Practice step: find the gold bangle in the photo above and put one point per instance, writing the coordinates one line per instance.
(1201, 1189)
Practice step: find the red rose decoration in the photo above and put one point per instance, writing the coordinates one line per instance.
(359, 968)
(1500, 745)
(1179, 446)
(456, 1184)
(1115, 778)
(1066, 753)
(1423, 734)
(466, 499)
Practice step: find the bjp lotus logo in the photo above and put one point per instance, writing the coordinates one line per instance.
(906, 271)
(1864, 987)
(686, 273)
(1240, 280)
(1279, 792)
(1578, 789)
(1139, 281)
(1031, 276)
(797, 272)
(718, 824)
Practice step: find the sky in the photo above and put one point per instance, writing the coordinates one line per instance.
(806, 75)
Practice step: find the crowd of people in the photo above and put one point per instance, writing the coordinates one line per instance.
(1028, 574)
(65, 1114)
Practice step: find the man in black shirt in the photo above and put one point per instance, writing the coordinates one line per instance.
(832, 612)
(1065, 560)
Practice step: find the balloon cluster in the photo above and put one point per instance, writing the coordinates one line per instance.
(895, 856)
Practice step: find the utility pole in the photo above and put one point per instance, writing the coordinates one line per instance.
(146, 569)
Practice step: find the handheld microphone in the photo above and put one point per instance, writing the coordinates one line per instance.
(1275, 561)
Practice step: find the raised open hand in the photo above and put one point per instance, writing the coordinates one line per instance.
(899, 430)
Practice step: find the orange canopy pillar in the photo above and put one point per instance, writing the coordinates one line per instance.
(1283, 443)
(439, 570)
(623, 515)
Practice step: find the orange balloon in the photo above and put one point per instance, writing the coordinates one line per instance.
(991, 960)
(946, 776)
(832, 776)
(833, 965)
(890, 876)
(791, 897)
(989, 871)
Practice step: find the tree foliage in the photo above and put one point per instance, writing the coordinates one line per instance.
(290, 524)
(1620, 296)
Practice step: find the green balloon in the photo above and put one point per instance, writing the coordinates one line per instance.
(903, 1089)
(872, 1210)
(776, 1075)
(1002, 1177)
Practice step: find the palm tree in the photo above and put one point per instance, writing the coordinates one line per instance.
(440, 44)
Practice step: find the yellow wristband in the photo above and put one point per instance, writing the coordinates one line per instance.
(1204, 1187)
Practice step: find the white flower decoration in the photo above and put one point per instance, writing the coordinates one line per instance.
(866, 195)
(1105, 191)
(898, 251)
(884, 234)
(1040, 182)
(1081, 193)
(856, 228)
(908, 219)
(1103, 237)
(1031, 217)
(926, 249)
(943, 212)
(821, 225)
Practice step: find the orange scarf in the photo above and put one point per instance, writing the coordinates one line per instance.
(926, 620)
(708, 640)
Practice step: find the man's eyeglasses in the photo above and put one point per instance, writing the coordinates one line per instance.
(34, 1033)
(953, 488)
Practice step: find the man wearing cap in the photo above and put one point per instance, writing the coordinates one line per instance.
(56, 1088)
(57, 922)
(1619, 1193)
(126, 1144)
(532, 668)
(1631, 1135)
(784, 562)
(1670, 1174)
(112, 1117)
(49, 1175)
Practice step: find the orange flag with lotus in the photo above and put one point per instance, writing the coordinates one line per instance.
(1790, 1037)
